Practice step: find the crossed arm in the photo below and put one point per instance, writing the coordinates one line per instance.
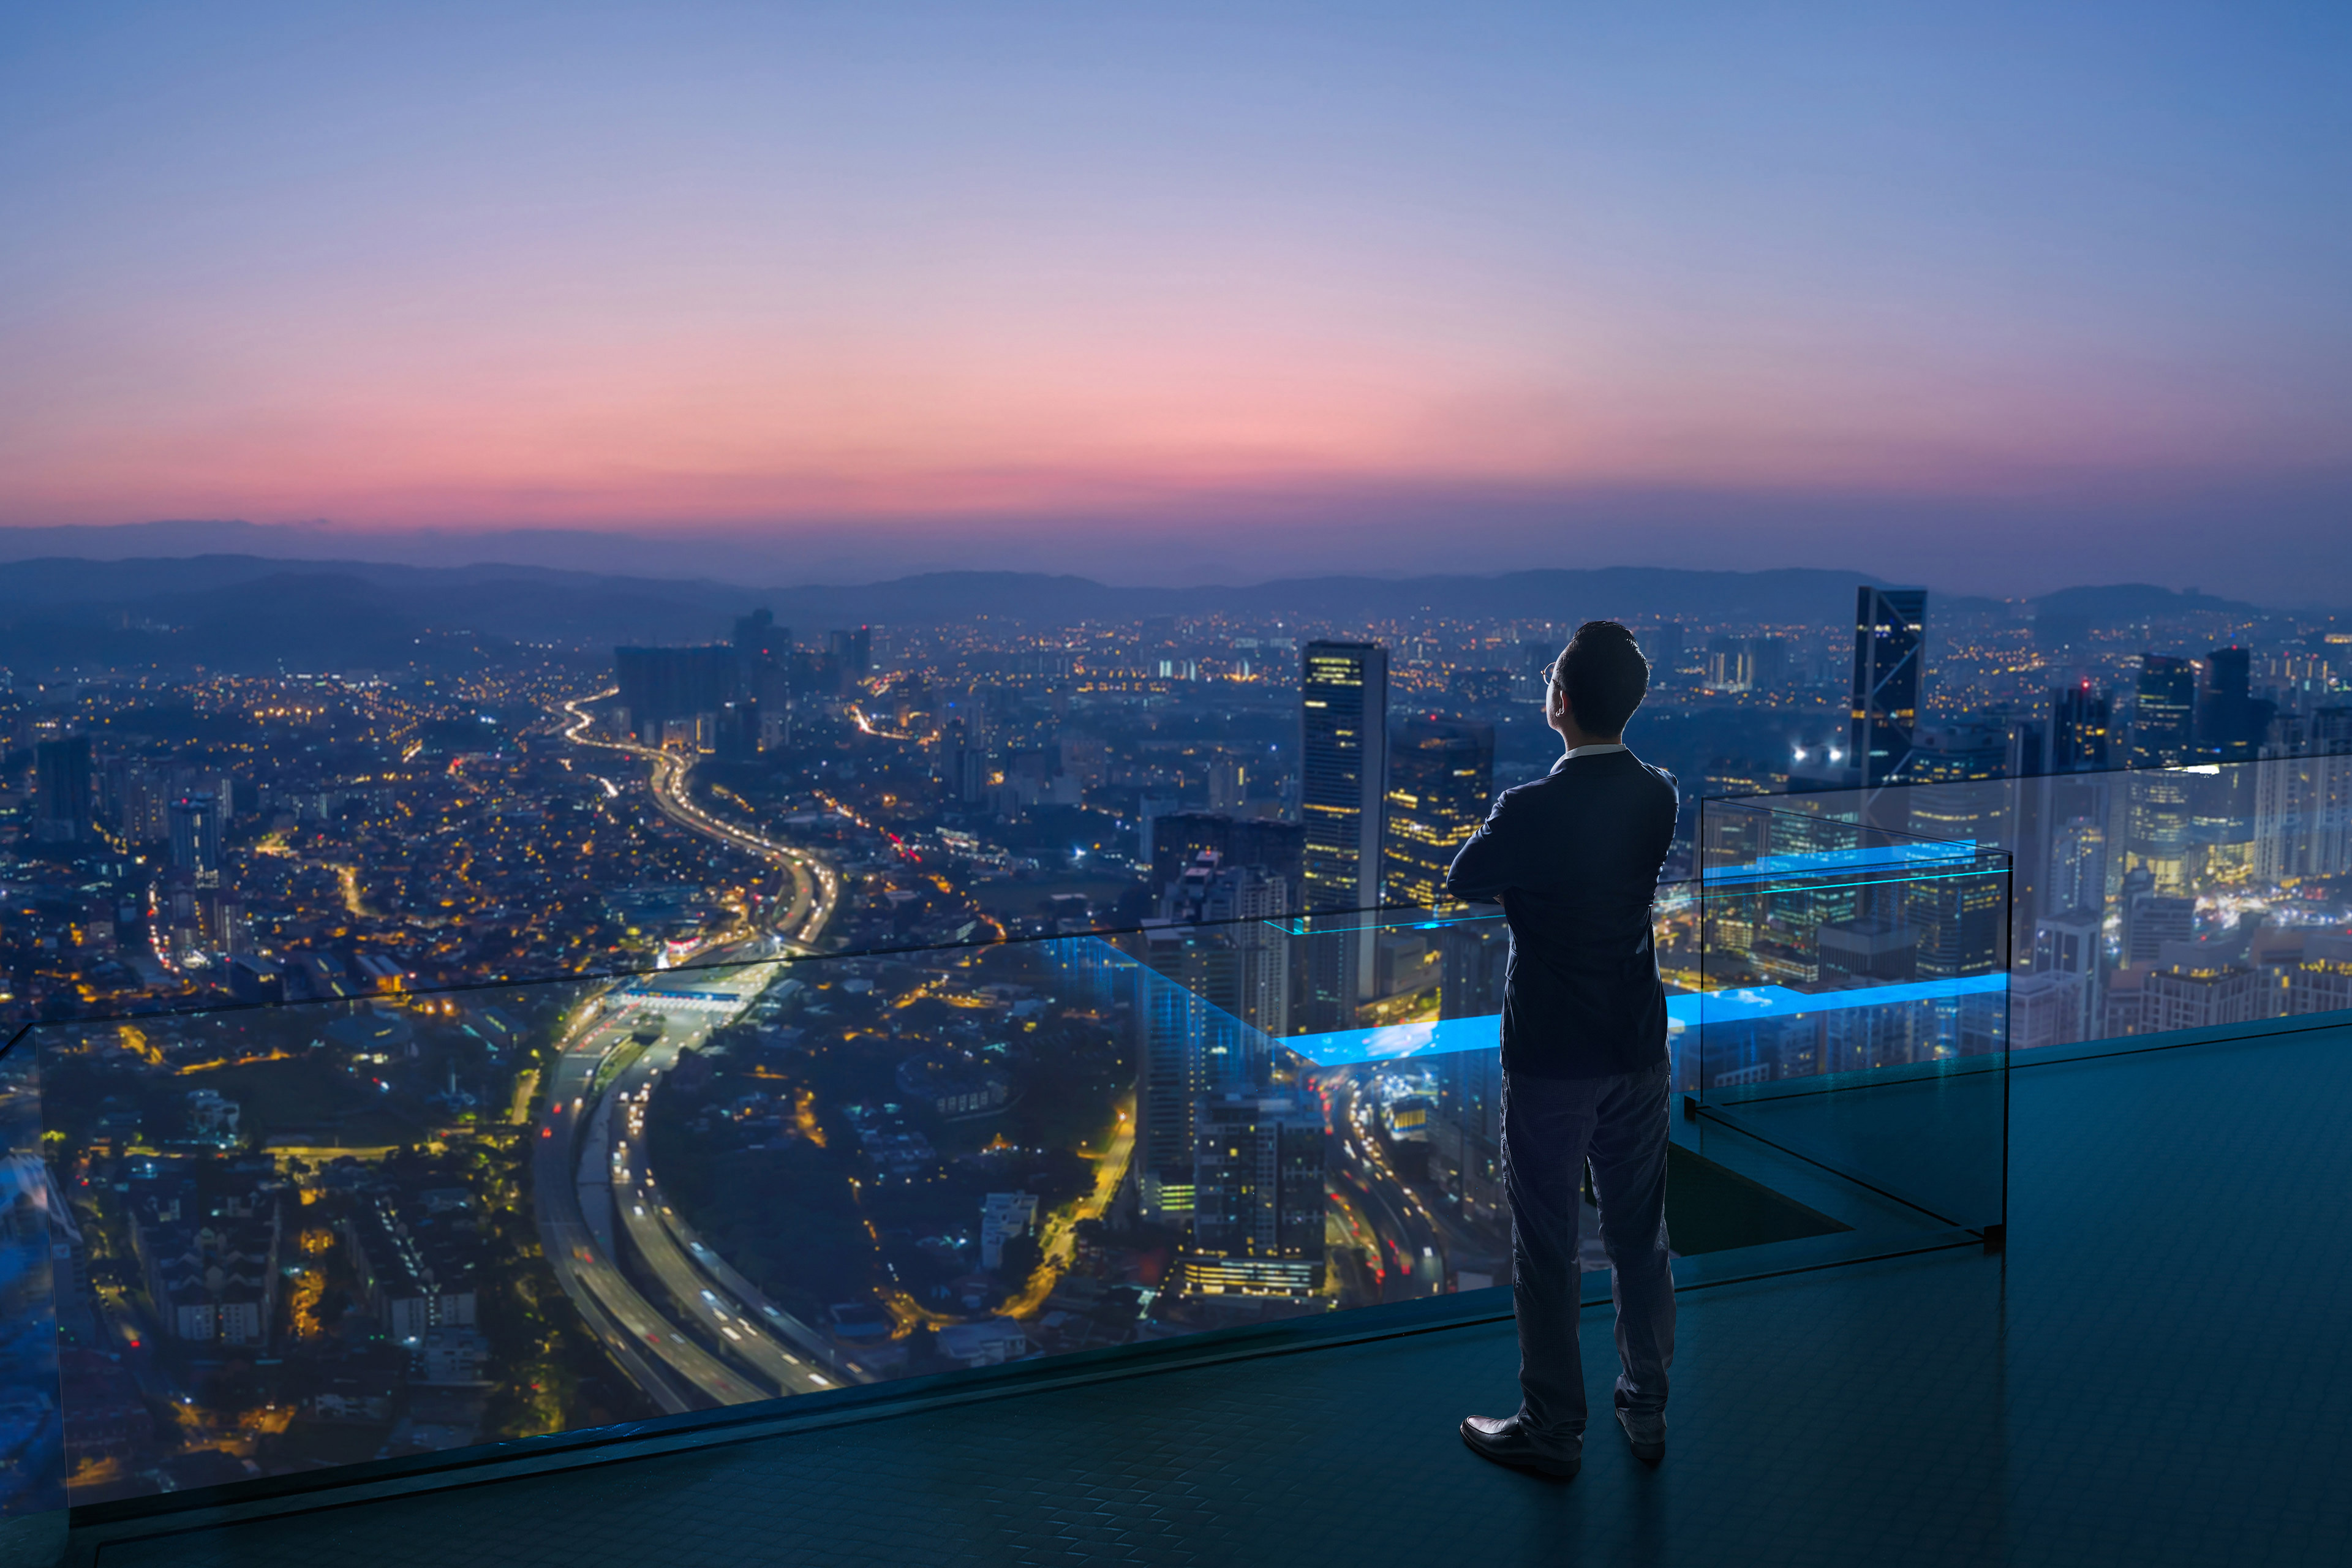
(1486, 864)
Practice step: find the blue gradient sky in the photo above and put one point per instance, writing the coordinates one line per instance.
(2003, 298)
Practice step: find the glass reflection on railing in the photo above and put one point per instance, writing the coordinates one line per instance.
(309, 1235)
(2152, 900)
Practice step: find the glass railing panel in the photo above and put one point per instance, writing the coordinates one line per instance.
(1853, 1011)
(36, 1229)
(2156, 901)
(327, 1233)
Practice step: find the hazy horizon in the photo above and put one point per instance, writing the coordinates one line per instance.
(840, 561)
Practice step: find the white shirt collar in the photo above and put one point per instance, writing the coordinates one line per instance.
(1597, 748)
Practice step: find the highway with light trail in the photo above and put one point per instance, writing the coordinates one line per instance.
(703, 1347)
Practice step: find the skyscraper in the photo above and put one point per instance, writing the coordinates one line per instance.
(764, 673)
(2164, 714)
(1343, 697)
(760, 643)
(665, 686)
(2078, 730)
(1441, 779)
(1192, 986)
(1258, 1196)
(61, 790)
(2231, 720)
(2302, 815)
(196, 837)
(854, 650)
(1888, 623)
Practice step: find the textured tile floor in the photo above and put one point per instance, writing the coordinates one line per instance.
(2156, 1373)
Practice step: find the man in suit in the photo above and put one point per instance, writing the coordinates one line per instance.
(1574, 859)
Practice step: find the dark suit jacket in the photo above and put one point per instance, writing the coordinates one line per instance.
(1574, 859)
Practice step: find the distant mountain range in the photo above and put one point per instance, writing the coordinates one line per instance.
(239, 611)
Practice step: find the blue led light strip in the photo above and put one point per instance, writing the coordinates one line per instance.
(1442, 1036)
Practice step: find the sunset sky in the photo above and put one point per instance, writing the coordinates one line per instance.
(1995, 295)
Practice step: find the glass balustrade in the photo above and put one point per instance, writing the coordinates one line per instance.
(293, 1239)
(281, 1241)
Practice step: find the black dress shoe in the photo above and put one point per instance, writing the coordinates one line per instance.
(1645, 1435)
(1505, 1441)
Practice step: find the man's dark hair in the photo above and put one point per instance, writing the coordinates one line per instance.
(1605, 676)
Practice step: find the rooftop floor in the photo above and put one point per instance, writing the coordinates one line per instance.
(2155, 1371)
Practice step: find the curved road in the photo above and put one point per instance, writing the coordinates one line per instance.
(816, 886)
(583, 1185)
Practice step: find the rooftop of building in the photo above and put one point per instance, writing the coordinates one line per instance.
(2151, 1370)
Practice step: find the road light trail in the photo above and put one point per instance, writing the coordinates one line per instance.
(663, 1358)
(652, 1349)
(816, 886)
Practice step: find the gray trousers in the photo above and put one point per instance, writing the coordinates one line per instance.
(1550, 1127)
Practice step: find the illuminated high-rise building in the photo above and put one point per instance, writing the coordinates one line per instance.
(2078, 730)
(2230, 720)
(1343, 765)
(1441, 779)
(2161, 839)
(1343, 698)
(2164, 714)
(764, 673)
(1888, 628)
(1258, 1196)
(674, 692)
(2302, 815)
(196, 837)
(61, 790)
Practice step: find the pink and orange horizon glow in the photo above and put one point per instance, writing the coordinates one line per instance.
(718, 271)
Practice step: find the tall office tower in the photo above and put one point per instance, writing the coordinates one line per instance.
(853, 651)
(1963, 930)
(2078, 730)
(2066, 999)
(1233, 960)
(1192, 1042)
(2152, 918)
(764, 673)
(1440, 782)
(1343, 767)
(760, 643)
(1466, 1131)
(62, 800)
(2161, 837)
(196, 837)
(2068, 942)
(1889, 625)
(1258, 1175)
(2302, 815)
(1960, 918)
(1343, 696)
(961, 764)
(2077, 877)
(2059, 1000)
(2231, 720)
(2164, 713)
(739, 730)
(674, 692)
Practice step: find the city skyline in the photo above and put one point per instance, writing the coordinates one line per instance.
(1200, 299)
(985, 990)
